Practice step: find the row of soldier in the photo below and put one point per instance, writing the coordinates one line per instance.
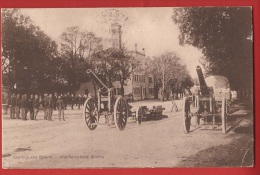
(21, 105)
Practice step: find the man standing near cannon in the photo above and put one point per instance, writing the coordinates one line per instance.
(79, 101)
(174, 105)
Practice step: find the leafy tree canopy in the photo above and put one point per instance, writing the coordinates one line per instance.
(27, 54)
(224, 34)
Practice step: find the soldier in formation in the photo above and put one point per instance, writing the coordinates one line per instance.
(36, 105)
(12, 106)
(44, 105)
(20, 106)
(23, 107)
(30, 107)
(17, 106)
(60, 106)
(50, 105)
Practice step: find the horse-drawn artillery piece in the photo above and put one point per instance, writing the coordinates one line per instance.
(114, 110)
(211, 102)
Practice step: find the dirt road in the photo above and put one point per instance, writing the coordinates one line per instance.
(160, 143)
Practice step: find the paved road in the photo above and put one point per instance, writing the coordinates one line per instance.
(161, 143)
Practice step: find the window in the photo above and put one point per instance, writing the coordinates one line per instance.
(150, 79)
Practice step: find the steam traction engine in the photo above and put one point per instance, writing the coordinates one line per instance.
(114, 110)
(211, 103)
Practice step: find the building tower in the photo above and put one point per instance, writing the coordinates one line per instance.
(116, 35)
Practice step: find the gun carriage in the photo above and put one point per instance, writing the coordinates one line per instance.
(114, 110)
(211, 103)
(141, 113)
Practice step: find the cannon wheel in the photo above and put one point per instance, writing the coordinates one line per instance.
(120, 113)
(90, 113)
(223, 116)
(139, 115)
(186, 118)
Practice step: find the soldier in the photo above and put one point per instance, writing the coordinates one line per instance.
(17, 106)
(60, 107)
(68, 98)
(174, 104)
(45, 105)
(72, 100)
(30, 107)
(65, 100)
(36, 105)
(79, 101)
(23, 106)
(26, 105)
(12, 106)
(50, 107)
(55, 98)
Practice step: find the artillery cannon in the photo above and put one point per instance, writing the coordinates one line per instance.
(211, 102)
(114, 110)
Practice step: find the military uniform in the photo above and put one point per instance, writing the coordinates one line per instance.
(65, 100)
(30, 107)
(36, 105)
(78, 101)
(45, 106)
(23, 106)
(50, 107)
(12, 106)
(26, 106)
(17, 107)
(72, 100)
(60, 107)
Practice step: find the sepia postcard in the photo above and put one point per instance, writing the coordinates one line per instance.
(161, 87)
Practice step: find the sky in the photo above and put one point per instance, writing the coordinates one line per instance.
(149, 28)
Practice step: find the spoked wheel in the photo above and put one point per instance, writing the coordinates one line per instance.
(223, 116)
(139, 115)
(120, 113)
(186, 117)
(90, 113)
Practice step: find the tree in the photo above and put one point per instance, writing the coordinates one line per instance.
(224, 34)
(169, 72)
(124, 66)
(76, 49)
(113, 64)
(27, 53)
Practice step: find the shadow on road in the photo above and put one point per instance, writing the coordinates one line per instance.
(238, 153)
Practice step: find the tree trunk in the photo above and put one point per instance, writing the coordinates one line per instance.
(95, 89)
(122, 89)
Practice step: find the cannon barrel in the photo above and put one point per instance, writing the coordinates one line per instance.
(94, 77)
(203, 86)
